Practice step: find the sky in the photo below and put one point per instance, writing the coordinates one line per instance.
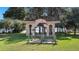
(2, 11)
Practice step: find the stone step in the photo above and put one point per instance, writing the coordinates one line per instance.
(41, 41)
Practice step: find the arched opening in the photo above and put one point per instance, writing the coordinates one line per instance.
(50, 29)
(30, 29)
(40, 29)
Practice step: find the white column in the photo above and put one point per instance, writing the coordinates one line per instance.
(53, 30)
(33, 30)
(47, 30)
(27, 30)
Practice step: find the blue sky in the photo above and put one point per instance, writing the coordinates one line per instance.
(2, 11)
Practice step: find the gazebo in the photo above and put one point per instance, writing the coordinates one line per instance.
(41, 28)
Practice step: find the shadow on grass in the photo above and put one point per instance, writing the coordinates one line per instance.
(62, 36)
(75, 37)
(14, 38)
(3, 35)
(17, 37)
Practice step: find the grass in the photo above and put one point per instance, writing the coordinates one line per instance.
(17, 42)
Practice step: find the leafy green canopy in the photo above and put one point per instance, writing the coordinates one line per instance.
(33, 12)
(15, 13)
(17, 25)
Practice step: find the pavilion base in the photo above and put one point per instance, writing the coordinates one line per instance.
(39, 41)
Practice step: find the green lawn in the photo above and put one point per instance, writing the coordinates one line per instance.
(17, 42)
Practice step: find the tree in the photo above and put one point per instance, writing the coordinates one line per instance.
(15, 25)
(71, 25)
(8, 23)
(34, 12)
(1, 24)
(58, 13)
(44, 12)
(18, 26)
(71, 22)
(64, 17)
(15, 13)
(73, 19)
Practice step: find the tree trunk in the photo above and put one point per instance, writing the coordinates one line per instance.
(74, 31)
(65, 32)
